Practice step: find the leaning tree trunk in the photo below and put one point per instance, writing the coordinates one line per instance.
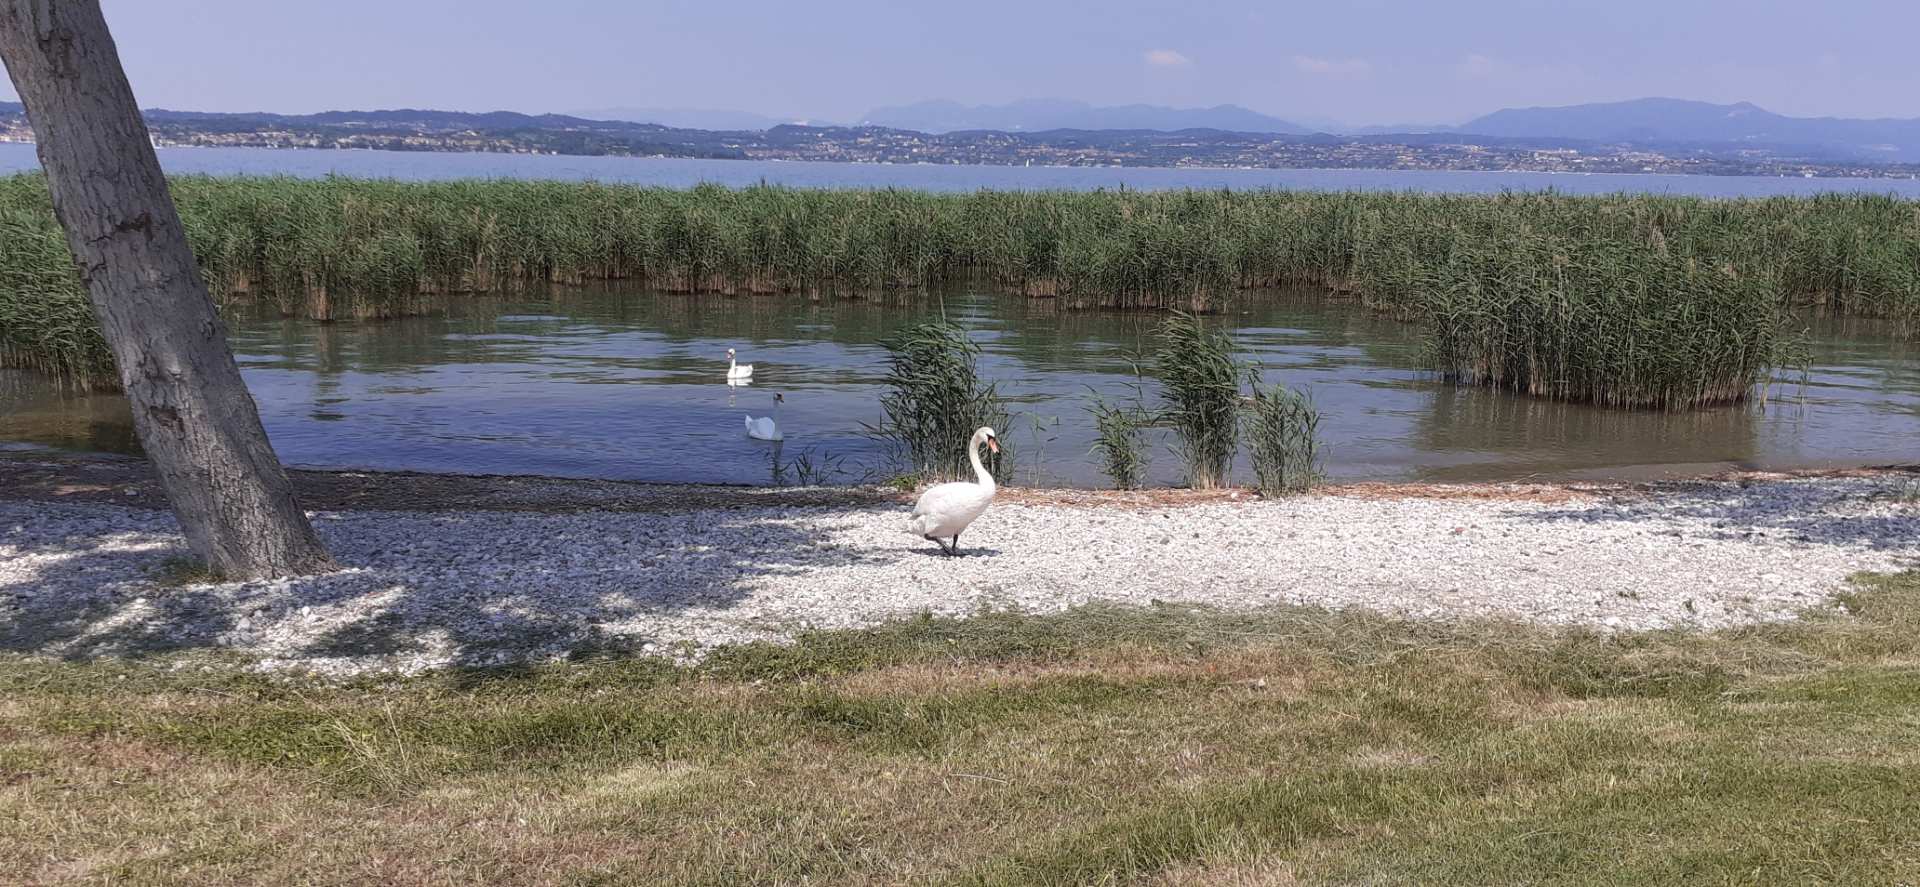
(194, 415)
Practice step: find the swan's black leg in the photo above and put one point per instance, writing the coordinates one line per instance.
(956, 545)
(937, 541)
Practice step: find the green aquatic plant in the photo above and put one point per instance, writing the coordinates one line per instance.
(46, 323)
(1121, 443)
(1625, 325)
(814, 469)
(936, 399)
(1625, 299)
(1283, 432)
(1200, 387)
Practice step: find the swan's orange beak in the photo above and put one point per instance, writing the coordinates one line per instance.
(993, 445)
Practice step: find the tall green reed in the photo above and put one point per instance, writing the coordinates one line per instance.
(1500, 281)
(1121, 442)
(1200, 388)
(46, 323)
(1283, 431)
(936, 400)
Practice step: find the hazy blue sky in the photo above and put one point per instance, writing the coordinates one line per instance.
(1361, 61)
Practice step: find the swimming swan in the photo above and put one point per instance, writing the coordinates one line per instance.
(737, 370)
(945, 511)
(764, 428)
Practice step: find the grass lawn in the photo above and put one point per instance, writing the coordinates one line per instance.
(1169, 746)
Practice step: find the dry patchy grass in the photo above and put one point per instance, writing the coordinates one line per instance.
(1168, 746)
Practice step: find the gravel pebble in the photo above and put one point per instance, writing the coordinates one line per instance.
(430, 589)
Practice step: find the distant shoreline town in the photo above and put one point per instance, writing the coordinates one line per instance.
(506, 132)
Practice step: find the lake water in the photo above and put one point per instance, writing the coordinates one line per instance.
(597, 383)
(15, 157)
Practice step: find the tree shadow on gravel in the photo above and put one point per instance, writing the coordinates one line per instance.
(1818, 515)
(57, 603)
(482, 589)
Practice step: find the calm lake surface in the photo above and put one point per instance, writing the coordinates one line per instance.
(686, 173)
(630, 385)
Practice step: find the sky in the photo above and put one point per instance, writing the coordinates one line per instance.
(1358, 62)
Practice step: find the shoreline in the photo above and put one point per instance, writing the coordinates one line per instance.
(127, 481)
(572, 163)
(493, 572)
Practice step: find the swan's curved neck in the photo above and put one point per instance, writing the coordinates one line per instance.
(985, 479)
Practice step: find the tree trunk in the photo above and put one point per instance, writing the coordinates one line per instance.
(194, 415)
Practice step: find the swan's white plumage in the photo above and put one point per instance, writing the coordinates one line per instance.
(762, 428)
(766, 427)
(944, 511)
(737, 371)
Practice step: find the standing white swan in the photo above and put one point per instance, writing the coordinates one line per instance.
(946, 510)
(736, 371)
(765, 428)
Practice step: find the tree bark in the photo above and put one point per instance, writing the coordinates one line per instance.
(195, 417)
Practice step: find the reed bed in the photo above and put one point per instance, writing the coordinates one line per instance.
(1617, 324)
(46, 323)
(1510, 285)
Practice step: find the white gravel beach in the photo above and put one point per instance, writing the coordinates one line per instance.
(481, 587)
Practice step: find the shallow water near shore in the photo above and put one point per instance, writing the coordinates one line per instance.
(630, 385)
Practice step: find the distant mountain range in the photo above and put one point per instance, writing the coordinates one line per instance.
(1651, 121)
(696, 118)
(409, 118)
(1678, 120)
(1036, 115)
(1647, 121)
